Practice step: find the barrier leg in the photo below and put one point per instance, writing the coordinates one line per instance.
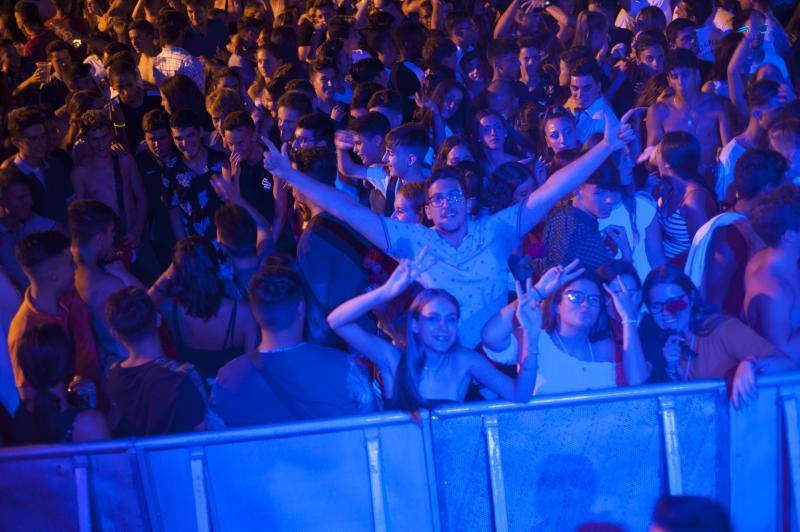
(197, 464)
(80, 468)
(492, 438)
(792, 435)
(670, 434)
(373, 442)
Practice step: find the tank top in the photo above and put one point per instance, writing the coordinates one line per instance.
(207, 362)
(561, 373)
(676, 234)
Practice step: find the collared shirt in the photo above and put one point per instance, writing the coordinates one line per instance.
(592, 119)
(74, 316)
(475, 272)
(173, 60)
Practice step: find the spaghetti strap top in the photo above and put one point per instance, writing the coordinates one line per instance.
(207, 362)
(561, 373)
(676, 234)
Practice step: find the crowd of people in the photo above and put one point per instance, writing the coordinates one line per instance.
(230, 213)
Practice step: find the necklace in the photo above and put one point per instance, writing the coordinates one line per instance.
(434, 369)
(281, 349)
(563, 347)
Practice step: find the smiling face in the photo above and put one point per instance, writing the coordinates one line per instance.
(188, 141)
(670, 306)
(369, 148)
(584, 90)
(398, 160)
(436, 326)
(447, 205)
(579, 306)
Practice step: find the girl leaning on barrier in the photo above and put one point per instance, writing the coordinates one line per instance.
(429, 366)
(700, 344)
(577, 352)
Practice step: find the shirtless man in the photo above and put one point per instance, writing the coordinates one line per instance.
(706, 116)
(111, 178)
(772, 284)
(99, 272)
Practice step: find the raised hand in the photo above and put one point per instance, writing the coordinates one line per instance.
(624, 302)
(343, 140)
(407, 272)
(228, 188)
(529, 310)
(275, 160)
(557, 276)
(424, 102)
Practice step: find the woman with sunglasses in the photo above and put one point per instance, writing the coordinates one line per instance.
(577, 352)
(701, 344)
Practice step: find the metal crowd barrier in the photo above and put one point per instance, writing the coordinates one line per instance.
(551, 464)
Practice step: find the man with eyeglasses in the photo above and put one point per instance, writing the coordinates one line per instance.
(471, 255)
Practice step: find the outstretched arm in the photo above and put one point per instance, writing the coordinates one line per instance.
(571, 176)
(334, 201)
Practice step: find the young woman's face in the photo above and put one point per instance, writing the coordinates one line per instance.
(459, 153)
(405, 210)
(670, 306)
(266, 64)
(560, 135)
(437, 325)
(451, 103)
(580, 303)
(493, 132)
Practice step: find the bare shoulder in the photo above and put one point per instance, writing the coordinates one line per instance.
(760, 278)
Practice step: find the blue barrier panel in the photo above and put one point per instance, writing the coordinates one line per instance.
(552, 464)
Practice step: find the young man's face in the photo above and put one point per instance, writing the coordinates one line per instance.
(33, 142)
(684, 81)
(766, 114)
(687, 40)
(59, 60)
(141, 41)
(324, 84)
(159, 142)
(60, 272)
(217, 117)
(197, 14)
(651, 60)
(530, 58)
(188, 141)
(506, 67)
(584, 90)
(369, 148)
(240, 141)
(398, 160)
(128, 88)
(18, 202)
(465, 34)
(287, 122)
(100, 141)
(447, 205)
(306, 138)
(595, 200)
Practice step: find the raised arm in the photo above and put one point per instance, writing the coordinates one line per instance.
(506, 22)
(344, 318)
(737, 67)
(343, 141)
(571, 176)
(328, 198)
(228, 188)
(529, 315)
(633, 361)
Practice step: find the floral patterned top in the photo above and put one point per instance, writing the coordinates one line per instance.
(193, 194)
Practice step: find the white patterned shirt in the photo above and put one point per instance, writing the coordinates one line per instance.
(173, 60)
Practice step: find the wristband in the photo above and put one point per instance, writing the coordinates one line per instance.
(119, 126)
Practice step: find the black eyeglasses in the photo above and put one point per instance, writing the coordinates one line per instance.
(576, 298)
(453, 198)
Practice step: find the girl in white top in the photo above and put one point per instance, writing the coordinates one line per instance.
(576, 352)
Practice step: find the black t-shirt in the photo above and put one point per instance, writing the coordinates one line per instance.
(159, 229)
(216, 38)
(134, 116)
(159, 397)
(52, 188)
(305, 33)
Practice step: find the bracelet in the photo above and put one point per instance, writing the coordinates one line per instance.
(119, 126)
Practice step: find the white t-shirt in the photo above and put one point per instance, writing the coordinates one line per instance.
(728, 156)
(645, 214)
